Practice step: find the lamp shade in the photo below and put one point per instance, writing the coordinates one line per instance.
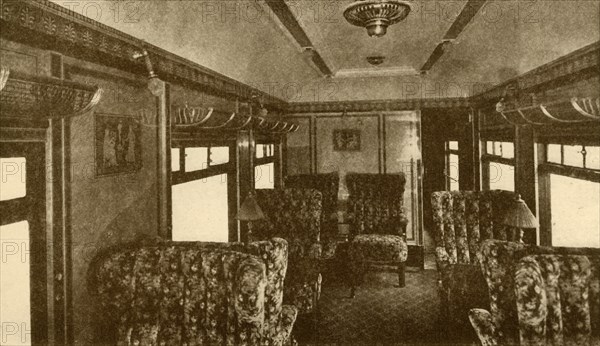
(519, 215)
(250, 210)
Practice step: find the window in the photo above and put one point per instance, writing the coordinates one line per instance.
(175, 159)
(582, 156)
(264, 177)
(200, 192)
(12, 181)
(451, 170)
(498, 166)
(574, 210)
(15, 292)
(265, 150)
(264, 166)
(570, 195)
(198, 158)
(200, 210)
(502, 177)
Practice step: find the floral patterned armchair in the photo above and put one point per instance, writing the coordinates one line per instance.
(193, 293)
(294, 215)
(328, 184)
(378, 229)
(461, 221)
(498, 260)
(554, 299)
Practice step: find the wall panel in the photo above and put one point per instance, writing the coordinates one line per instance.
(366, 160)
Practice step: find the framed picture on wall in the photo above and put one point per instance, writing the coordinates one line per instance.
(346, 140)
(118, 144)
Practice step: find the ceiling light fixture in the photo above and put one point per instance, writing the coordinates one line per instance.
(376, 15)
(375, 60)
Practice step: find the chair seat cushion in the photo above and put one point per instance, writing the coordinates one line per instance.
(378, 248)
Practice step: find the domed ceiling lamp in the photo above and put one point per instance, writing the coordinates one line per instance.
(376, 15)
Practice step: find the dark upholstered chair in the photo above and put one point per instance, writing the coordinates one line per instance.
(328, 184)
(499, 260)
(193, 293)
(461, 221)
(294, 215)
(554, 300)
(378, 232)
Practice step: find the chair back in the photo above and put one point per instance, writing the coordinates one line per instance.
(463, 219)
(498, 260)
(291, 214)
(376, 203)
(555, 294)
(328, 184)
(274, 253)
(176, 293)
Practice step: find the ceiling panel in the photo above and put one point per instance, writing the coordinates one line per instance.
(508, 38)
(406, 44)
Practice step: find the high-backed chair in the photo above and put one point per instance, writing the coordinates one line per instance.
(554, 299)
(378, 223)
(192, 293)
(461, 221)
(328, 184)
(294, 215)
(498, 260)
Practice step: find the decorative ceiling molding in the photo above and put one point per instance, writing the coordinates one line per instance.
(466, 15)
(376, 72)
(32, 97)
(554, 73)
(289, 21)
(464, 18)
(435, 56)
(377, 105)
(45, 24)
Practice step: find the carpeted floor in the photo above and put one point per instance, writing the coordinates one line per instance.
(382, 313)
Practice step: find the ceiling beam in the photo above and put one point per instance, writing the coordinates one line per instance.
(462, 20)
(287, 18)
(466, 15)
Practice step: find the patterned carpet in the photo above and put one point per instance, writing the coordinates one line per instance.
(381, 313)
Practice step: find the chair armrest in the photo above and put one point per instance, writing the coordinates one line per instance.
(481, 320)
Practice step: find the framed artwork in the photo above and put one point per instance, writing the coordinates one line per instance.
(118, 144)
(346, 140)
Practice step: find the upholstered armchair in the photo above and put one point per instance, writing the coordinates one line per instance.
(461, 221)
(378, 231)
(498, 259)
(554, 299)
(192, 293)
(328, 184)
(294, 215)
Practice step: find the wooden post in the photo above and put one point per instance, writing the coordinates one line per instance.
(162, 94)
(525, 169)
(245, 168)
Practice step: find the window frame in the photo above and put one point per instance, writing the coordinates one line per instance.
(229, 168)
(487, 159)
(447, 153)
(274, 158)
(545, 170)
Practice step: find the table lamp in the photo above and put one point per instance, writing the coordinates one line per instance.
(520, 216)
(250, 211)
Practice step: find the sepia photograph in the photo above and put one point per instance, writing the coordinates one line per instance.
(300, 172)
